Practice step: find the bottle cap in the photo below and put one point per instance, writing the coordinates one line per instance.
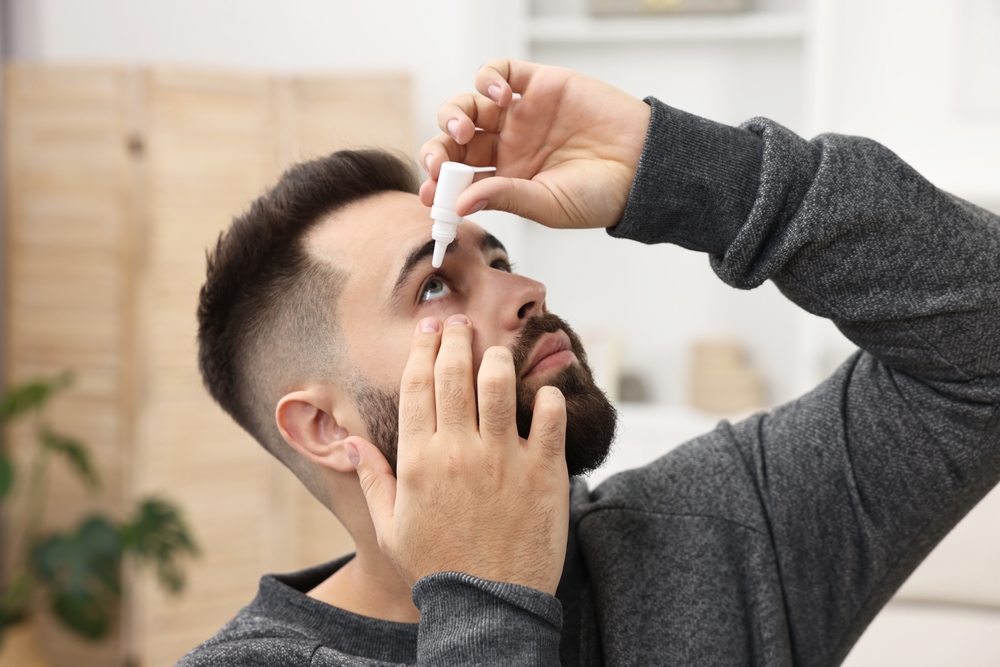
(454, 178)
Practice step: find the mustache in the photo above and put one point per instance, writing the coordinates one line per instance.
(536, 327)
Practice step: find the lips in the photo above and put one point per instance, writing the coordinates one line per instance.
(553, 350)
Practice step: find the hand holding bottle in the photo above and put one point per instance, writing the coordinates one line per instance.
(566, 150)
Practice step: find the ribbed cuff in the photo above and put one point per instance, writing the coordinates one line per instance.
(695, 184)
(465, 620)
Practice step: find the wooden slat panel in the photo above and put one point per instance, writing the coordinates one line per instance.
(117, 183)
(69, 211)
(209, 150)
(68, 207)
(329, 114)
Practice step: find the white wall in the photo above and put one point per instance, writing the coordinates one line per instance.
(924, 79)
(428, 39)
(889, 69)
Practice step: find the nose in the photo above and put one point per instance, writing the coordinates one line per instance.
(526, 299)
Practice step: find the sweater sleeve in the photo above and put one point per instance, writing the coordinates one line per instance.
(860, 478)
(465, 620)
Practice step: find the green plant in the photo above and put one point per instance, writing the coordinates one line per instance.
(79, 571)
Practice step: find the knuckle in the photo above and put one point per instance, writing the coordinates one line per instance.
(411, 416)
(453, 371)
(550, 398)
(454, 464)
(452, 413)
(367, 481)
(552, 433)
(498, 355)
(495, 425)
(493, 384)
(495, 400)
(417, 383)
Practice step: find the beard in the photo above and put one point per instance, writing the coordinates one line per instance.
(590, 417)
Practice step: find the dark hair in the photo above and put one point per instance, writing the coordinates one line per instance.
(266, 310)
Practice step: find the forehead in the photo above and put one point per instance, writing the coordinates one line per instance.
(372, 238)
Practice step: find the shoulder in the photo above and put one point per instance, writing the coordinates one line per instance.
(253, 641)
(709, 477)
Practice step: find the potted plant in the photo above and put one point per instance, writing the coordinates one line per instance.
(73, 576)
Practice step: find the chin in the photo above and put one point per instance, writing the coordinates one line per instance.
(591, 419)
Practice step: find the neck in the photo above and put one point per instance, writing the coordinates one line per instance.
(369, 585)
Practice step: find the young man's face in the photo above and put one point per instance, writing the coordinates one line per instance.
(383, 244)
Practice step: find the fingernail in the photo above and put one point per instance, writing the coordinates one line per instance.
(427, 161)
(453, 128)
(352, 454)
(457, 319)
(494, 93)
(478, 206)
(430, 325)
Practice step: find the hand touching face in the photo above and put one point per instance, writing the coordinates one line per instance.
(470, 495)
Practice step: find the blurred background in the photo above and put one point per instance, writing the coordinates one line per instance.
(134, 130)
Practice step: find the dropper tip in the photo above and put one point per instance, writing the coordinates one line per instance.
(438, 258)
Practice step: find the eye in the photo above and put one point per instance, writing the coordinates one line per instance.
(502, 264)
(434, 288)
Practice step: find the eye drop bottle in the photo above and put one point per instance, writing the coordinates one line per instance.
(452, 181)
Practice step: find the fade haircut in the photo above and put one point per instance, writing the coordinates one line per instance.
(267, 310)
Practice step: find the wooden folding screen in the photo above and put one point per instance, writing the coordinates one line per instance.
(117, 181)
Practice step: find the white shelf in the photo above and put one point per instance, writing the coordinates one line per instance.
(748, 26)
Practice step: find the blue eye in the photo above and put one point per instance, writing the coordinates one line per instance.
(435, 288)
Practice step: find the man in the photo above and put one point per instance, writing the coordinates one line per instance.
(439, 414)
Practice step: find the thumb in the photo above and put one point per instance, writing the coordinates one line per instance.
(520, 196)
(377, 483)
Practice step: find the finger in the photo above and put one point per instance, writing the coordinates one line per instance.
(498, 398)
(454, 396)
(548, 424)
(460, 115)
(528, 199)
(377, 483)
(500, 78)
(480, 151)
(417, 421)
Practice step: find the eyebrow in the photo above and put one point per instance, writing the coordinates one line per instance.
(486, 243)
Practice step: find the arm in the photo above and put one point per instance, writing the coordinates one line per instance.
(860, 478)
(469, 621)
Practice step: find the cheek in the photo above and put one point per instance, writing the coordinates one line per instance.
(379, 353)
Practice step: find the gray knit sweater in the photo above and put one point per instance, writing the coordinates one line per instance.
(774, 541)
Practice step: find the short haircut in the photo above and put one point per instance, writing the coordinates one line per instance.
(267, 310)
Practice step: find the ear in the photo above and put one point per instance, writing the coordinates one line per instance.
(305, 420)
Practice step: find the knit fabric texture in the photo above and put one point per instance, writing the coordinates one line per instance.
(776, 540)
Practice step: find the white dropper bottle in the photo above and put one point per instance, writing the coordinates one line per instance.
(452, 181)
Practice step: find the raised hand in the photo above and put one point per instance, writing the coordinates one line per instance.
(470, 496)
(566, 150)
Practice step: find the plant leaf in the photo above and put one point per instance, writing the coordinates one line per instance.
(82, 572)
(22, 398)
(14, 599)
(6, 476)
(87, 614)
(76, 455)
(159, 536)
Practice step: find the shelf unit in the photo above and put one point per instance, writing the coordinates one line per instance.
(703, 63)
(749, 26)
